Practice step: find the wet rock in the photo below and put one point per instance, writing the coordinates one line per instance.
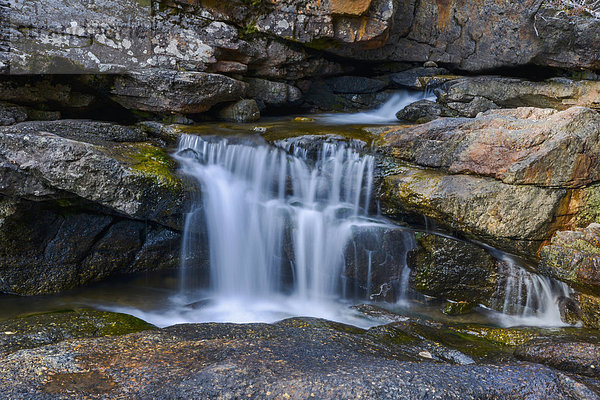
(355, 85)
(240, 111)
(375, 259)
(310, 356)
(470, 96)
(423, 111)
(532, 146)
(52, 246)
(47, 91)
(415, 78)
(577, 357)
(574, 257)
(172, 91)
(30, 331)
(272, 93)
(452, 269)
(590, 309)
(133, 179)
(458, 308)
(514, 217)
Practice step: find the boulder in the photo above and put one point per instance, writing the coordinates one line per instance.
(574, 257)
(589, 307)
(133, 179)
(523, 146)
(470, 96)
(272, 93)
(518, 218)
(423, 111)
(415, 78)
(55, 245)
(11, 114)
(240, 111)
(172, 91)
(451, 269)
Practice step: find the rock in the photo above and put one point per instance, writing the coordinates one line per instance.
(454, 270)
(590, 309)
(137, 180)
(11, 114)
(574, 257)
(47, 91)
(171, 91)
(531, 146)
(320, 97)
(514, 217)
(374, 261)
(423, 111)
(53, 246)
(355, 85)
(413, 78)
(272, 93)
(470, 96)
(240, 111)
(37, 330)
(576, 357)
(310, 356)
(458, 308)
(475, 37)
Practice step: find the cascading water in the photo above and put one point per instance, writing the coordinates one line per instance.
(530, 299)
(385, 114)
(277, 223)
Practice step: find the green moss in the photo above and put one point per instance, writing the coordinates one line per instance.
(501, 336)
(589, 210)
(458, 308)
(154, 163)
(248, 31)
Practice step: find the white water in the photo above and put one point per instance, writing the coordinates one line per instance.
(530, 299)
(385, 114)
(278, 225)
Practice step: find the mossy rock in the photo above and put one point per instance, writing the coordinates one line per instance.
(34, 330)
(458, 308)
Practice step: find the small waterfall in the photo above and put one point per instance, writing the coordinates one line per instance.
(385, 114)
(530, 298)
(276, 220)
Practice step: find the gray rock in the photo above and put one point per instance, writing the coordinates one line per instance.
(470, 96)
(272, 93)
(132, 179)
(355, 85)
(240, 111)
(532, 146)
(424, 111)
(413, 78)
(171, 91)
(11, 114)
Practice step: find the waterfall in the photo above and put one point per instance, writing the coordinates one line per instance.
(276, 220)
(529, 298)
(385, 114)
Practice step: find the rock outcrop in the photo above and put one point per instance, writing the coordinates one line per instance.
(312, 358)
(83, 200)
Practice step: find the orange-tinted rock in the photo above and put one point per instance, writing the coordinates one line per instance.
(350, 7)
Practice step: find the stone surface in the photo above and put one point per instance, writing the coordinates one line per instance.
(514, 217)
(37, 330)
(240, 111)
(355, 85)
(574, 257)
(171, 91)
(423, 111)
(532, 146)
(415, 78)
(53, 246)
(470, 96)
(133, 179)
(272, 93)
(454, 270)
(295, 358)
(576, 357)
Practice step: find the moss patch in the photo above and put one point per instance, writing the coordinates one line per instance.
(154, 163)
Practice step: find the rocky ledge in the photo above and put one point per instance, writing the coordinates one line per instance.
(81, 200)
(302, 358)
